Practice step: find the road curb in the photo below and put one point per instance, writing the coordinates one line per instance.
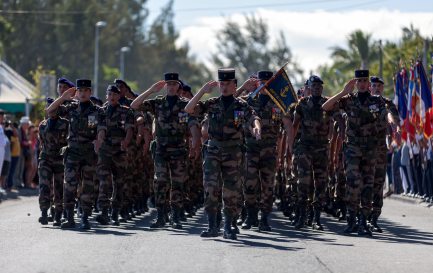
(409, 200)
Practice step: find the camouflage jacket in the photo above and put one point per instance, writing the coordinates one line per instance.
(115, 121)
(227, 124)
(362, 119)
(315, 123)
(270, 117)
(171, 124)
(52, 137)
(383, 125)
(83, 122)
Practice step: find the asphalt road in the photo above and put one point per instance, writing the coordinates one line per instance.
(25, 246)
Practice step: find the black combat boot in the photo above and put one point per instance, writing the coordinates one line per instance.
(351, 222)
(264, 224)
(300, 222)
(115, 217)
(241, 219)
(251, 219)
(159, 221)
(51, 215)
(57, 218)
(212, 230)
(175, 219)
(296, 215)
(182, 216)
(137, 207)
(374, 226)
(317, 225)
(124, 215)
(310, 216)
(84, 224)
(341, 211)
(145, 207)
(44, 217)
(70, 223)
(219, 219)
(363, 228)
(228, 233)
(235, 226)
(103, 218)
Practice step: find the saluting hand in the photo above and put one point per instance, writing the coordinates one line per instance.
(250, 85)
(69, 94)
(207, 88)
(156, 87)
(349, 87)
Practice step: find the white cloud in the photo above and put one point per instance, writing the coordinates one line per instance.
(310, 34)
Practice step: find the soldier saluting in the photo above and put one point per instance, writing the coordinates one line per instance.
(80, 157)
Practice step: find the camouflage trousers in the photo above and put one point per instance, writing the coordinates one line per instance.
(51, 175)
(140, 175)
(170, 174)
(110, 170)
(149, 174)
(379, 179)
(360, 162)
(312, 174)
(80, 167)
(194, 180)
(221, 179)
(260, 165)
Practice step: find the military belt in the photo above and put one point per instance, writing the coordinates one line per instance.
(224, 143)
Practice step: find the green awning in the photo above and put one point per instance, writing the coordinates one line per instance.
(13, 107)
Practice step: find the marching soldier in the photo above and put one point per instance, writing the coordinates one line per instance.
(363, 112)
(52, 136)
(226, 115)
(376, 88)
(260, 158)
(312, 151)
(114, 134)
(79, 157)
(169, 146)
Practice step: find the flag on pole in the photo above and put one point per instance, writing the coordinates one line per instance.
(280, 89)
(424, 89)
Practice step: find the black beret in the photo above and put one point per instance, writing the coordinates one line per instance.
(49, 101)
(226, 74)
(375, 79)
(306, 82)
(119, 81)
(314, 78)
(65, 81)
(264, 75)
(360, 73)
(113, 88)
(84, 83)
(172, 77)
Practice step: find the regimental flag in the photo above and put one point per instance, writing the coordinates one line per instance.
(280, 89)
(424, 89)
(401, 89)
(413, 103)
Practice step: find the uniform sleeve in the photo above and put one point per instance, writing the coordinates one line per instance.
(102, 121)
(63, 110)
(393, 110)
(298, 111)
(250, 115)
(148, 106)
(130, 118)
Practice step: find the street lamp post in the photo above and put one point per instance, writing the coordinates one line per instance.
(98, 25)
(123, 50)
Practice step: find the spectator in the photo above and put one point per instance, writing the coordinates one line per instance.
(7, 158)
(31, 160)
(25, 152)
(15, 154)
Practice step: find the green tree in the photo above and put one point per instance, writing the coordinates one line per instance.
(248, 49)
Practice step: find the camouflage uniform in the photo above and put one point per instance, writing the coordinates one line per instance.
(52, 137)
(222, 156)
(260, 159)
(79, 157)
(312, 153)
(381, 159)
(360, 153)
(339, 194)
(112, 161)
(169, 152)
